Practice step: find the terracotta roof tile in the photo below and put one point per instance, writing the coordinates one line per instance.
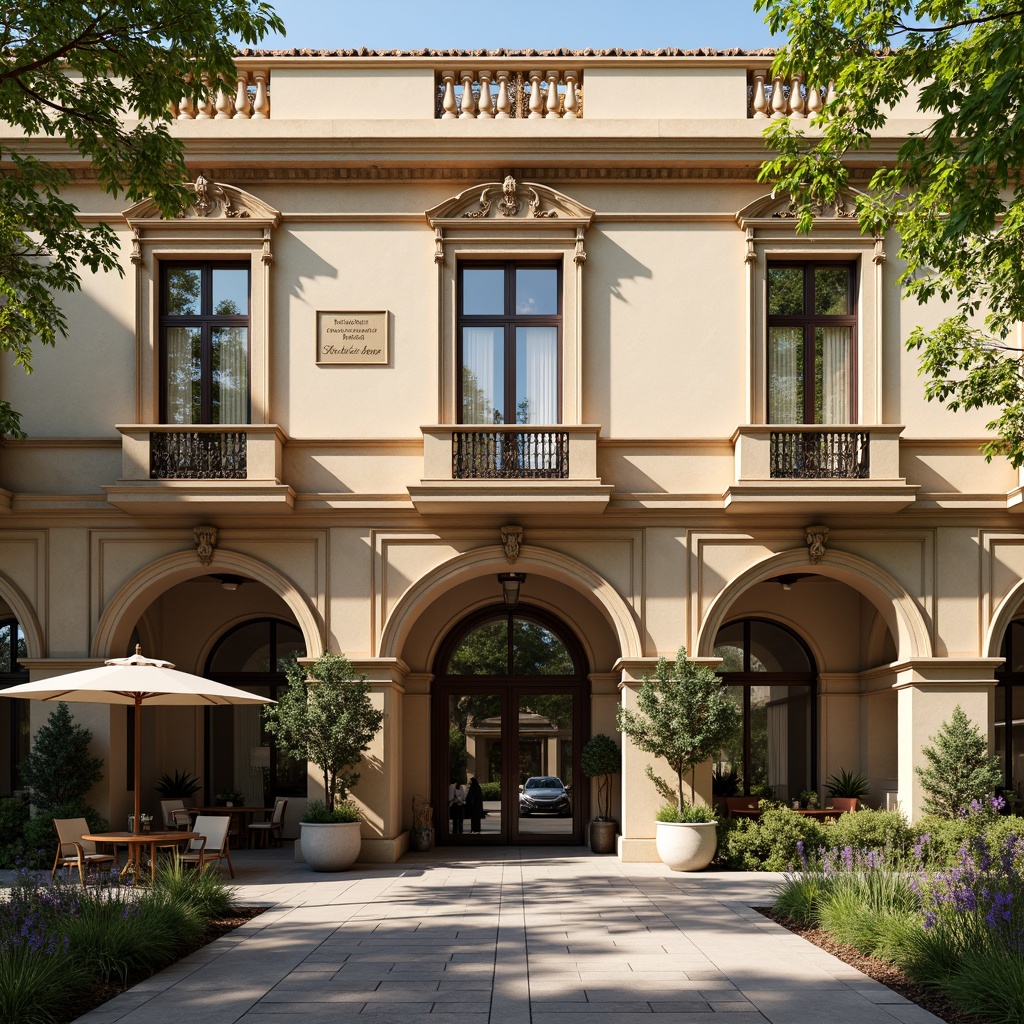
(668, 51)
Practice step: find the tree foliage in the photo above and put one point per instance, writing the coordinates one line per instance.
(94, 81)
(60, 769)
(952, 191)
(601, 758)
(959, 769)
(326, 716)
(683, 716)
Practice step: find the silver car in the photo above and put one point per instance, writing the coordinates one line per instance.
(544, 794)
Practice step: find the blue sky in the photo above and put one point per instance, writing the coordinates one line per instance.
(574, 24)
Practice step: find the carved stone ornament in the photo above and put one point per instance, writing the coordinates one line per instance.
(838, 208)
(206, 541)
(816, 537)
(511, 539)
(212, 199)
(495, 202)
(781, 207)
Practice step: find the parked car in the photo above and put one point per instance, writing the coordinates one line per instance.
(544, 794)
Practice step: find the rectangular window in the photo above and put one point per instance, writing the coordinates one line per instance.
(812, 330)
(204, 330)
(509, 332)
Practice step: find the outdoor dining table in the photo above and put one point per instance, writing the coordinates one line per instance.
(818, 813)
(138, 843)
(240, 818)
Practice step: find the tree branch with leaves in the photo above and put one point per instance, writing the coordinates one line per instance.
(953, 191)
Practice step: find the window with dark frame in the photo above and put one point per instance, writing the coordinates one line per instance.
(12, 649)
(812, 338)
(509, 343)
(204, 342)
(1009, 711)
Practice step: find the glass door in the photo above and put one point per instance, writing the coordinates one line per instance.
(509, 706)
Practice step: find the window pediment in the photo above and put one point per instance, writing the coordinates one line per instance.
(496, 204)
(210, 201)
(773, 208)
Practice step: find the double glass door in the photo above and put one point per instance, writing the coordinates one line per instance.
(506, 744)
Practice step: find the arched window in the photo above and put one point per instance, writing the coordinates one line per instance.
(253, 656)
(1009, 714)
(769, 672)
(13, 648)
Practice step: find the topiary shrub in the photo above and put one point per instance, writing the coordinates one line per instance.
(60, 770)
(13, 818)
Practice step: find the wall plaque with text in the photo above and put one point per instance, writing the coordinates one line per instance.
(352, 338)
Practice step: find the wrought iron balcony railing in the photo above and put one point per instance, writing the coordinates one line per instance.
(510, 455)
(820, 455)
(191, 455)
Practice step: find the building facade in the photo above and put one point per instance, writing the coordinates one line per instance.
(441, 327)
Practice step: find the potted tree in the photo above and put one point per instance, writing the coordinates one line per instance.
(326, 716)
(683, 716)
(601, 759)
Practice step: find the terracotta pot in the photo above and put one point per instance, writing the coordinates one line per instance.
(330, 846)
(602, 836)
(686, 846)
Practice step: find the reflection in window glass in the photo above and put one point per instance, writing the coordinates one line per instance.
(536, 651)
(230, 291)
(785, 291)
(831, 291)
(184, 291)
(483, 291)
(230, 377)
(482, 652)
(483, 374)
(536, 291)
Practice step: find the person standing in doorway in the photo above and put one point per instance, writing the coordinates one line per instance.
(457, 806)
(474, 805)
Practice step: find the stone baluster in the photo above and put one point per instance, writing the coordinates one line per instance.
(778, 97)
(204, 112)
(830, 94)
(224, 104)
(796, 96)
(504, 103)
(536, 99)
(552, 104)
(486, 103)
(468, 106)
(448, 105)
(760, 104)
(813, 101)
(572, 104)
(243, 108)
(186, 110)
(261, 102)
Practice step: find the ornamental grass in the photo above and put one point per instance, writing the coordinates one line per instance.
(957, 928)
(59, 939)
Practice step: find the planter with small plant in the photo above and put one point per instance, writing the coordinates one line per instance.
(601, 759)
(684, 716)
(809, 799)
(230, 798)
(326, 717)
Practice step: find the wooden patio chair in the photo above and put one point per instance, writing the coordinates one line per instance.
(175, 815)
(213, 844)
(272, 830)
(75, 852)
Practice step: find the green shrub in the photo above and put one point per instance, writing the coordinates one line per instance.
(946, 837)
(14, 815)
(317, 813)
(694, 814)
(34, 987)
(768, 843)
(39, 839)
(204, 894)
(871, 830)
(60, 770)
(491, 790)
(800, 896)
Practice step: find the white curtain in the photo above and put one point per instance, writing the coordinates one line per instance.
(778, 749)
(785, 397)
(836, 370)
(247, 735)
(482, 375)
(231, 374)
(537, 375)
(180, 382)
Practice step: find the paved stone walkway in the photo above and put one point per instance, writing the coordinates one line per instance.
(505, 936)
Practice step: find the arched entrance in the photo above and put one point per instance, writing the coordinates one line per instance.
(511, 708)
(1009, 710)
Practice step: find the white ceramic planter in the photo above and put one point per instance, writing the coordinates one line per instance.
(686, 846)
(330, 847)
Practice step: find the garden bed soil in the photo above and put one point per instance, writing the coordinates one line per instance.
(92, 996)
(881, 971)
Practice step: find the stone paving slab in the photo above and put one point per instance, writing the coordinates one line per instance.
(506, 936)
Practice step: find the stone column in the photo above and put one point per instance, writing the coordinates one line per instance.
(928, 689)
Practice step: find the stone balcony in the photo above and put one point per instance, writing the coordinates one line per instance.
(233, 468)
(853, 468)
(510, 468)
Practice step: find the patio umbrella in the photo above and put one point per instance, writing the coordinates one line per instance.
(134, 681)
